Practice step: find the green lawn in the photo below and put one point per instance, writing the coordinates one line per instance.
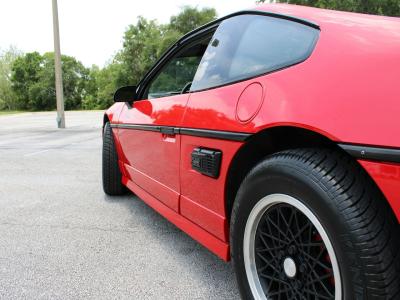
(9, 112)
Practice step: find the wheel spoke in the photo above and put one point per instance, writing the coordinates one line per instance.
(266, 261)
(274, 279)
(279, 230)
(318, 295)
(301, 231)
(268, 249)
(319, 281)
(316, 260)
(266, 245)
(288, 230)
(271, 237)
(320, 278)
(276, 241)
(280, 291)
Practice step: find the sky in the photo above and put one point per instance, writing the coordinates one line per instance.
(90, 30)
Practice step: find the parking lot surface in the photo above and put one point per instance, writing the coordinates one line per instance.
(61, 237)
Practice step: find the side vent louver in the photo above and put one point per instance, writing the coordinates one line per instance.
(206, 161)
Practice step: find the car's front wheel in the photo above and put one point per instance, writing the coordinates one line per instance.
(310, 224)
(112, 177)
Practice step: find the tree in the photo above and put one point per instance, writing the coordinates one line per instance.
(147, 40)
(25, 72)
(101, 86)
(141, 48)
(143, 43)
(379, 7)
(32, 74)
(191, 18)
(7, 97)
(33, 81)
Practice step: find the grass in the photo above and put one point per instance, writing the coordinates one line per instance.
(9, 112)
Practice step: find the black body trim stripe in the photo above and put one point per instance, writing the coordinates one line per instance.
(372, 153)
(357, 151)
(137, 127)
(214, 134)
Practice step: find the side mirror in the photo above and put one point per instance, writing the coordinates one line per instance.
(125, 94)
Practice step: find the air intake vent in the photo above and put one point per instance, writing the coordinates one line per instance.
(206, 161)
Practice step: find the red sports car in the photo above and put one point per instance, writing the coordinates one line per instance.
(272, 136)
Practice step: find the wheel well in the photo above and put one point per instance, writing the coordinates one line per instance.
(262, 144)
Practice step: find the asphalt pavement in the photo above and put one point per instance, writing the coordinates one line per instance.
(61, 237)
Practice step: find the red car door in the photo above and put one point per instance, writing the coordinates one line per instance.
(153, 156)
(148, 129)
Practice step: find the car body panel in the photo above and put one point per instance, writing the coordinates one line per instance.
(154, 167)
(112, 113)
(387, 177)
(201, 195)
(346, 91)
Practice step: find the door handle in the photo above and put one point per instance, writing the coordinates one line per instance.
(168, 130)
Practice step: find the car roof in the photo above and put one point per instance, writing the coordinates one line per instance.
(352, 33)
(325, 17)
(332, 21)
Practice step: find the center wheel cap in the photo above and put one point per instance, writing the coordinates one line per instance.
(289, 266)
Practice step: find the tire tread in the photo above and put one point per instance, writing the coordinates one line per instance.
(369, 220)
(366, 212)
(112, 177)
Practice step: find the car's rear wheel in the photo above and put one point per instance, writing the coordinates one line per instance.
(287, 252)
(112, 177)
(310, 224)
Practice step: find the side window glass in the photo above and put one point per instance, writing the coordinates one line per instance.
(251, 45)
(177, 75)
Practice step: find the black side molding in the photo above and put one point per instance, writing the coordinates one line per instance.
(213, 134)
(137, 127)
(372, 153)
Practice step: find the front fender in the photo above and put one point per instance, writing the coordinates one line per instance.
(112, 113)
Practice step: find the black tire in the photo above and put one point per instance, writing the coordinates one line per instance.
(112, 177)
(360, 224)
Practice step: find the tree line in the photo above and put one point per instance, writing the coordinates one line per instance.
(27, 79)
